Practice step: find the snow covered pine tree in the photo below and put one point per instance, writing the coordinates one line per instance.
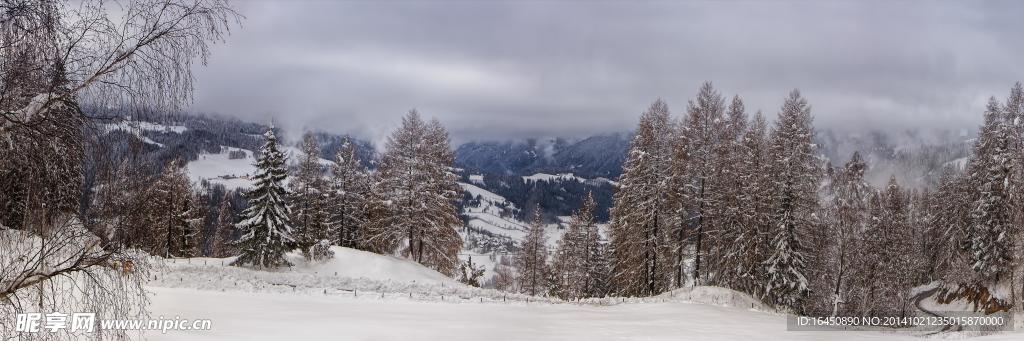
(350, 184)
(640, 214)
(532, 260)
(308, 206)
(266, 229)
(794, 164)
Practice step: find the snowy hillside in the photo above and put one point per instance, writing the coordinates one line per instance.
(348, 271)
(220, 168)
(494, 214)
(375, 297)
(140, 128)
(553, 177)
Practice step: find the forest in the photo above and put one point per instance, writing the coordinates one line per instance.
(713, 194)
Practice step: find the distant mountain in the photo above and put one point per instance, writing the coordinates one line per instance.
(915, 158)
(591, 157)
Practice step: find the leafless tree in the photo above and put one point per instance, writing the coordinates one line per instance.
(54, 57)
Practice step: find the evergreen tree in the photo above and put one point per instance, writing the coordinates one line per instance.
(795, 170)
(727, 254)
(847, 218)
(751, 243)
(349, 184)
(469, 273)
(532, 260)
(171, 213)
(308, 191)
(190, 221)
(990, 231)
(223, 245)
(898, 250)
(640, 216)
(265, 226)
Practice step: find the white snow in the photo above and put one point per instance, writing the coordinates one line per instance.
(138, 127)
(553, 177)
(396, 299)
(476, 179)
(264, 316)
(219, 169)
(488, 216)
(354, 263)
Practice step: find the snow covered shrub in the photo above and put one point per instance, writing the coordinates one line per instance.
(470, 274)
(320, 251)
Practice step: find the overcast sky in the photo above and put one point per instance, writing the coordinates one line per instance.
(491, 70)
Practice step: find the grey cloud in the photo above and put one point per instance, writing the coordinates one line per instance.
(514, 69)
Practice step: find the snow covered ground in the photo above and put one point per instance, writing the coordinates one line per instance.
(364, 296)
(553, 177)
(234, 174)
(488, 216)
(138, 127)
(248, 316)
(220, 169)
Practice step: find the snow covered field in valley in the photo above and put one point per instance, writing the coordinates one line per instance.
(364, 296)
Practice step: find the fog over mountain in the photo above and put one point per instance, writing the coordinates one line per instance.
(500, 70)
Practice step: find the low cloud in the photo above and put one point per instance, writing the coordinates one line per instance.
(494, 70)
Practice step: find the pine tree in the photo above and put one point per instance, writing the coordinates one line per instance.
(726, 255)
(532, 260)
(265, 226)
(847, 218)
(577, 262)
(795, 170)
(754, 206)
(308, 191)
(953, 217)
(641, 214)
(1014, 117)
(349, 184)
(868, 283)
(412, 208)
(190, 221)
(223, 245)
(469, 273)
(697, 179)
(897, 252)
(990, 229)
(171, 213)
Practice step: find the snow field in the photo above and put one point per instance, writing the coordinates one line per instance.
(365, 296)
